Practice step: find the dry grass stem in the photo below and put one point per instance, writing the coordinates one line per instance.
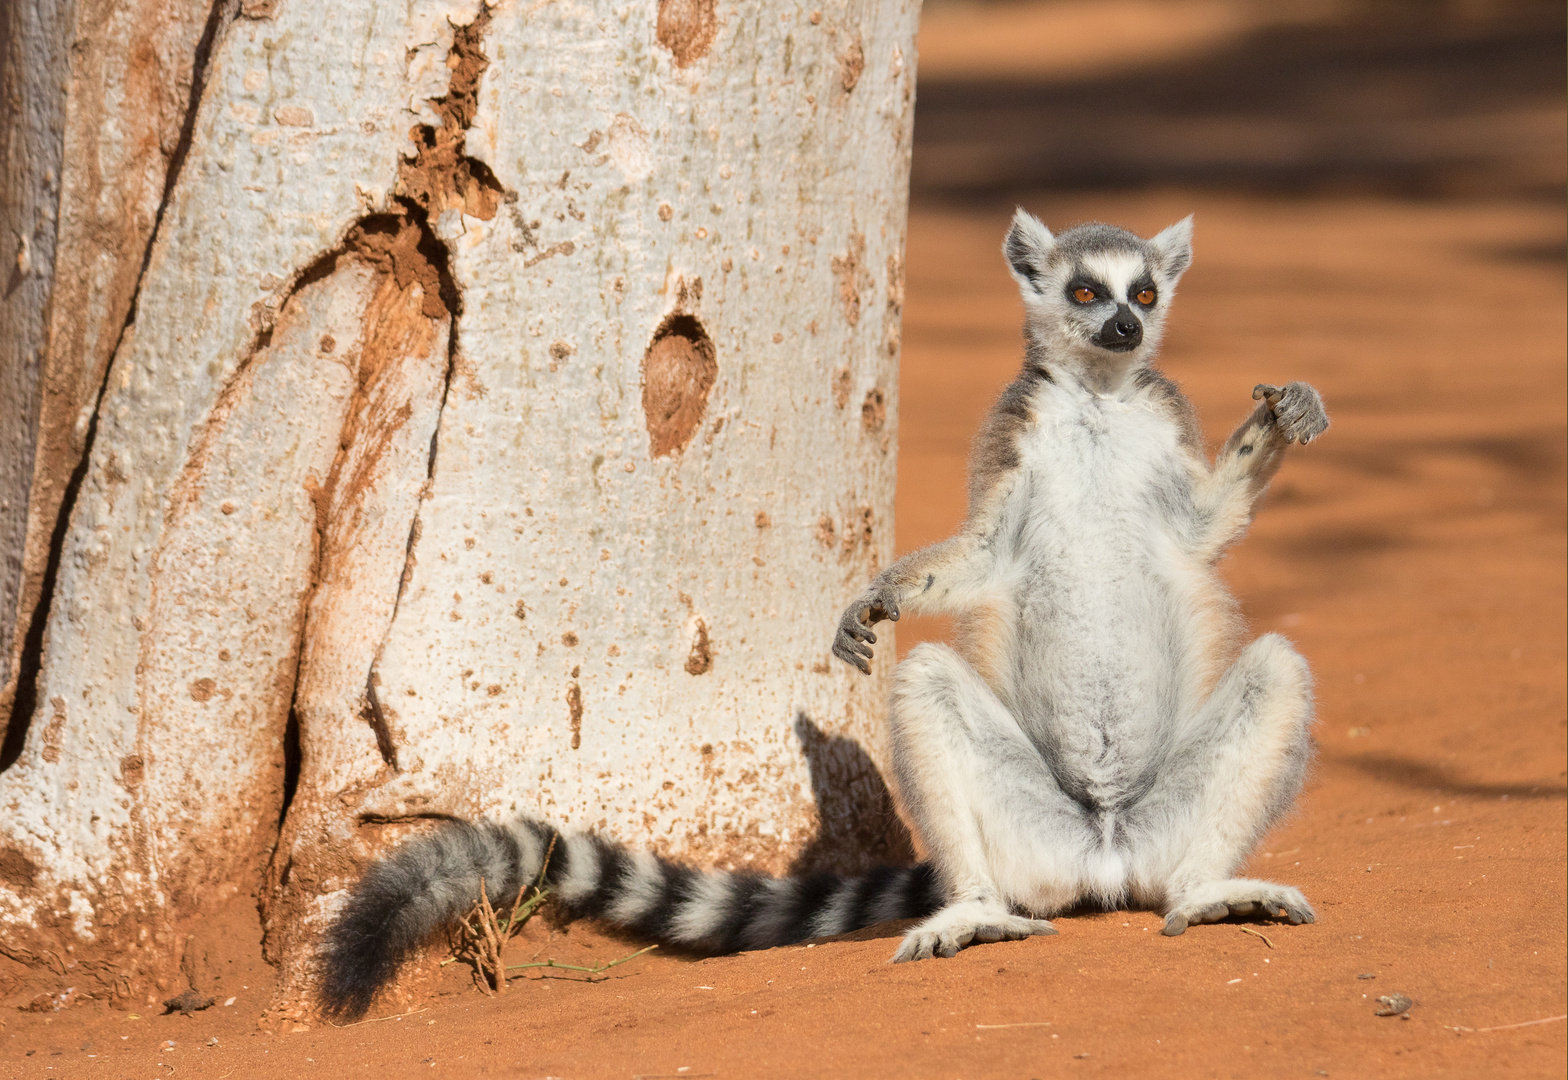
(1254, 933)
(378, 1019)
(597, 969)
(1461, 1030)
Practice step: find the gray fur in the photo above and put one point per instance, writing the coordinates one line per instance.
(1086, 741)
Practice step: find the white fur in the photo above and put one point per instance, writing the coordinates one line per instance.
(642, 893)
(582, 868)
(700, 918)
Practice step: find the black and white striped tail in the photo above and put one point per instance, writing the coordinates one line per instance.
(430, 882)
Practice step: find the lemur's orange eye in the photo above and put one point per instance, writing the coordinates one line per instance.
(1146, 297)
(1083, 294)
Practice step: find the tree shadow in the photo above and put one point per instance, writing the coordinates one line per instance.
(1418, 774)
(857, 825)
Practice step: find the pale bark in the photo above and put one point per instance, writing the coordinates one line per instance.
(520, 427)
(103, 85)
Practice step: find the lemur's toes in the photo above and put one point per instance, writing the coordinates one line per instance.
(915, 946)
(1175, 924)
(1299, 915)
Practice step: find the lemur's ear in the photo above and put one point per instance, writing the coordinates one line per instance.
(1027, 247)
(1174, 247)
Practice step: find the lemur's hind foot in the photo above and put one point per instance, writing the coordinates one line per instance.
(971, 922)
(1239, 897)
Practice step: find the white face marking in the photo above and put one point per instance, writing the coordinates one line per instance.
(1116, 270)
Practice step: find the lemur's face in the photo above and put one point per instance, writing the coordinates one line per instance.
(1096, 292)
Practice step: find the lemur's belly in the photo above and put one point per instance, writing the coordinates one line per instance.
(1102, 633)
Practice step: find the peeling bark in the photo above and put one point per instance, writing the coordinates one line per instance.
(475, 421)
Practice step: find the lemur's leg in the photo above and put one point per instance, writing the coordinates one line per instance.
(1229, 495)
(989, 813)
(1234, 770)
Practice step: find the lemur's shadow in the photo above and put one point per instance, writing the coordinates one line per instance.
(858, 827)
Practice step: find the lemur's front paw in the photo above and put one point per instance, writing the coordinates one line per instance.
(852, 644)
(1297, 408)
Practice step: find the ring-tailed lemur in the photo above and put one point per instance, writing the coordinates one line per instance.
(1079, 746)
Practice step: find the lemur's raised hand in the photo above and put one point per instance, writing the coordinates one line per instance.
(1093, 738)
(1084, 743)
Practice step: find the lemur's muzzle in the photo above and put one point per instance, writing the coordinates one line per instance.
(1122, 332)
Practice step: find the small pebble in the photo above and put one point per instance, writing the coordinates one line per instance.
(1393, 1005)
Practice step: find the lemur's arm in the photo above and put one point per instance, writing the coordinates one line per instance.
(943, 577)
(1228, 496)
(952, 575)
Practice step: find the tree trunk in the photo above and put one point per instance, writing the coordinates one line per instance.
(506, 411)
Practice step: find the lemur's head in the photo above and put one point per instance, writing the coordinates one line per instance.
(1096, 294)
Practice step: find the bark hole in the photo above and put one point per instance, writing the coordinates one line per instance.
(687, 28)
(678, 374)
(291, 763)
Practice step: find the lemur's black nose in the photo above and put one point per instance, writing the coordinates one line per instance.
(1121, 331)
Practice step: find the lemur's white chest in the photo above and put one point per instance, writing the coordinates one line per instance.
(1091, 545)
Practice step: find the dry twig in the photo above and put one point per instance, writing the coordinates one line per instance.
(597, 969)
(1458, 1030)
(378, 1019)
(1254, 933)
(486, 933)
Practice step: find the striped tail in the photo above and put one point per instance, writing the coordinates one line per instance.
(430, 882)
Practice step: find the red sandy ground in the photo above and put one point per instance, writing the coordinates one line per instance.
(1416, 555)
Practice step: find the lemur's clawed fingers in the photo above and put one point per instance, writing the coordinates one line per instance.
(852, 643)
(1297, 410)
(851, 659)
